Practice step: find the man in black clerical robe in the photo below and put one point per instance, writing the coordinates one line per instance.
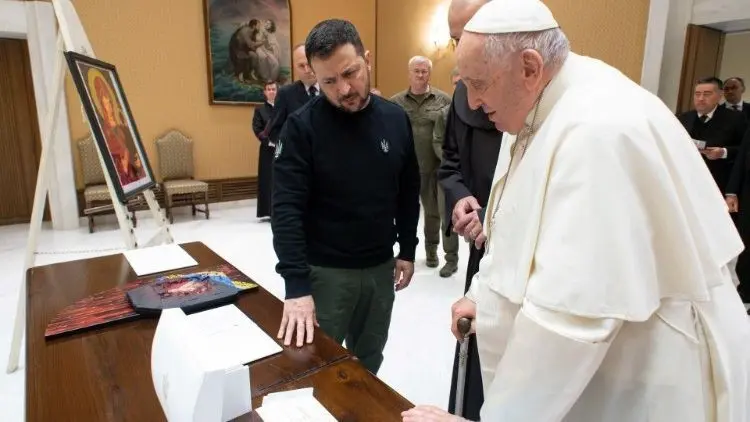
(470, 148)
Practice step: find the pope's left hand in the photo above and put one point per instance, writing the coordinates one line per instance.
(429, 414)
(713, 153)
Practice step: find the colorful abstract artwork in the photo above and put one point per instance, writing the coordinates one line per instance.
(113, 305)
(249, 45)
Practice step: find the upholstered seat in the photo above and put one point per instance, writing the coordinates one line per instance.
(176, 168)
(95, 192)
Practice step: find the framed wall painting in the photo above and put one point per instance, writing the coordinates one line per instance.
(112, 124)
(248, 43)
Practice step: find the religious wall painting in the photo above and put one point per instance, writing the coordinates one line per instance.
(248, 43)
(112, 125)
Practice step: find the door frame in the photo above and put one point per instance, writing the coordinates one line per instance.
(35, 22)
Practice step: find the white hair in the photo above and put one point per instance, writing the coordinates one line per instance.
(420, 59)
(551, 44)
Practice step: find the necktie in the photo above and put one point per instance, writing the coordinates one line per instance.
(704, 118)
(312, 90)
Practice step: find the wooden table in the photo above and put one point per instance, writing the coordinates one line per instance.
(105, 374)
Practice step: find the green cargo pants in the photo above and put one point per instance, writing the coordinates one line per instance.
(433, 203)
(356, 305)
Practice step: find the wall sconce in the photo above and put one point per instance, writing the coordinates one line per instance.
(439, 35)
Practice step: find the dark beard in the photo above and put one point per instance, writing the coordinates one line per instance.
(363, 104)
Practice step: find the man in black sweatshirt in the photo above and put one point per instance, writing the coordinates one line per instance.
(346, 189)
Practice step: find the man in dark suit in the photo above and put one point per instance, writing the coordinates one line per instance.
(293, 96)
(734, 88)
(720, 128)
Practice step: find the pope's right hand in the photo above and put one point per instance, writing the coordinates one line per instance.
(299, 315)
(463, 308)
(732, 203)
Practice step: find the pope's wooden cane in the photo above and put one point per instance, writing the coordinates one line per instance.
(464, 326)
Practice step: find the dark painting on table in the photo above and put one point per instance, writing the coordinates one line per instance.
(113, 305)
(248, 44)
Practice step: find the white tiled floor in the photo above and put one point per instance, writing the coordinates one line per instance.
(419, 353)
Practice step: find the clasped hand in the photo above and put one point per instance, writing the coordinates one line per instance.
(466, 221)
(299, 313)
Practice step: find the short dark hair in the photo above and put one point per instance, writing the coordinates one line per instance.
(329, 35)
(738, 79)
(270, 83)
(711, 80)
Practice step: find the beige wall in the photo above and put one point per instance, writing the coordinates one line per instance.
(611, 30)
(736, 59)
(159, 48)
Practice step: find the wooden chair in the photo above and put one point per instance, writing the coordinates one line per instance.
(95, 193)
(176, 166)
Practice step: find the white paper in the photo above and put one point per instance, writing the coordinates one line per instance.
(187, 389)
(234, 338)
(293, 406)
(237, 393)
(157, 259)
(287, 395)
(700, 144)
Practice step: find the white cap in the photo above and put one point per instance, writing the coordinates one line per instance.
(509, 16)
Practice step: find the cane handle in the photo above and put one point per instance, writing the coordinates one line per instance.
(464, 326)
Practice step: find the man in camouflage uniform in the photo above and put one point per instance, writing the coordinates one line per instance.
(424, 104)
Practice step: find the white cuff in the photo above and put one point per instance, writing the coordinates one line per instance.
(548, 362)
(724, 153)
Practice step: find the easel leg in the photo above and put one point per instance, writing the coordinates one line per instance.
(37, 213)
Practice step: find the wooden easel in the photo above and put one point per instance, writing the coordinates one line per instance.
(71, 37)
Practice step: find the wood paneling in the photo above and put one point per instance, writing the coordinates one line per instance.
(20, 146)
(703, 52)
(219, 190)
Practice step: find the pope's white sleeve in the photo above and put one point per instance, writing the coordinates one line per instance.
(549, 360)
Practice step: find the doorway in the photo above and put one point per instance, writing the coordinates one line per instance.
(20, 144)
(704, 47)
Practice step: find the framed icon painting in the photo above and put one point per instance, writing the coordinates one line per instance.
(112, 124)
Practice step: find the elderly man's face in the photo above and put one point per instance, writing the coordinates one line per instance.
(419, 75)
(506, 90)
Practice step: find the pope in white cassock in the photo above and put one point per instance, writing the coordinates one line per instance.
(604, 294)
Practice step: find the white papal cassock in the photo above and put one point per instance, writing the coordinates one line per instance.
(604, 295)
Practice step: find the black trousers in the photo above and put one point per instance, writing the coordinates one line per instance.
(265, 181)
(474, 390)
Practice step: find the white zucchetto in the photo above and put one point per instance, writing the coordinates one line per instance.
(509, 16)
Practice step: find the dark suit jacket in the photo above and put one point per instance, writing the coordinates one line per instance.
(726, 131)
(288, 100)
(745, 109)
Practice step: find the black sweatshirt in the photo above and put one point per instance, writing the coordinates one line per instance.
(345, 190)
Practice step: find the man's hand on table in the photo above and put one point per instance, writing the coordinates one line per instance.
(429, 414)
(299, 316)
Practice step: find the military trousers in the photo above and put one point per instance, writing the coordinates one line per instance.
(355, 305)
(433, 203)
